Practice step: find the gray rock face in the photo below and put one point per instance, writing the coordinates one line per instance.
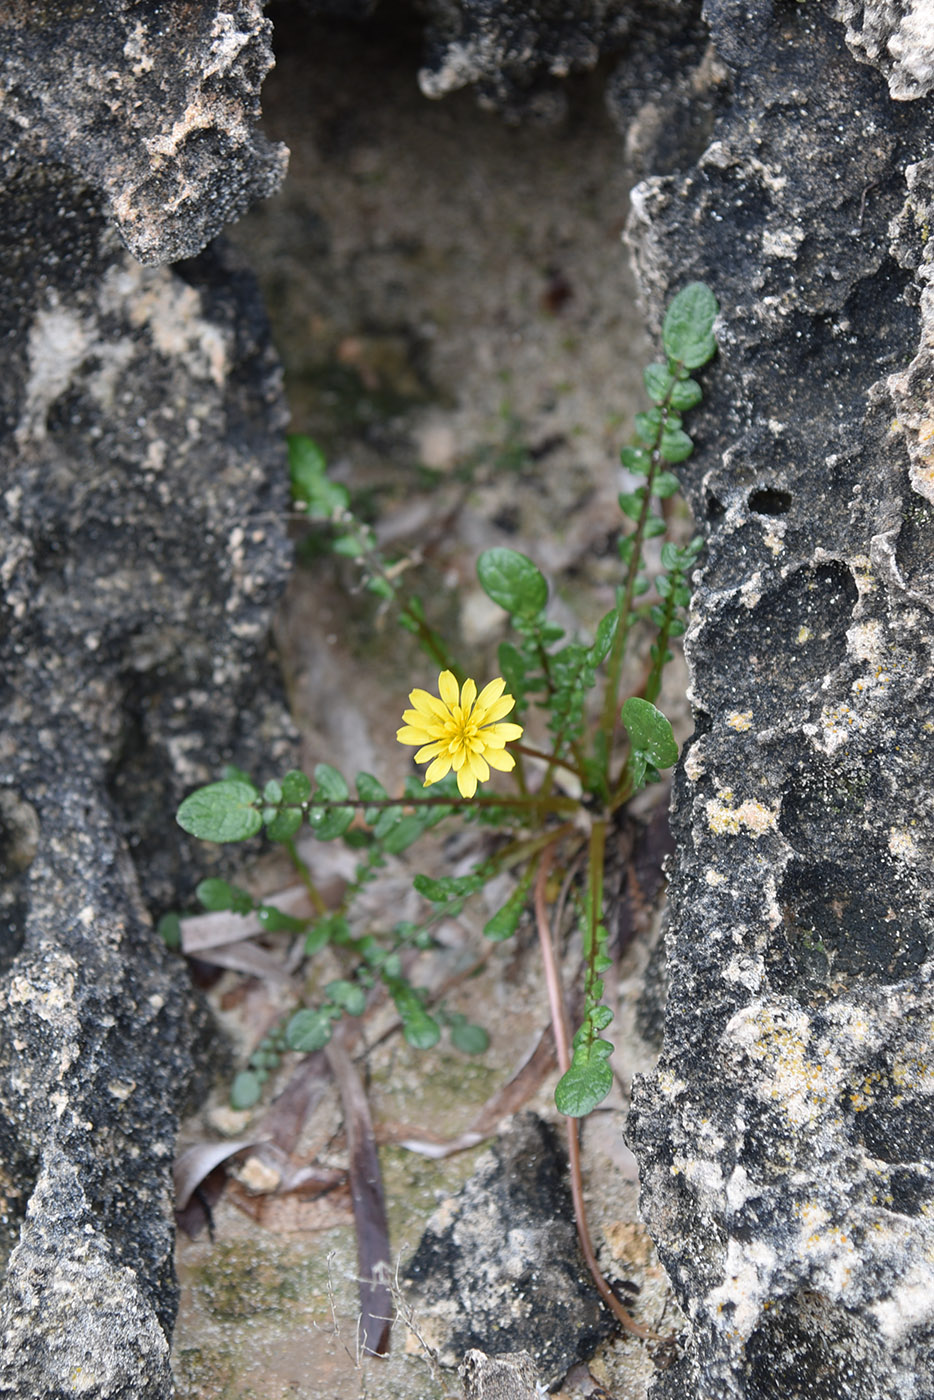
(786, 1140)
(895, 36)
(515, 55)
(142, 497)
(499, 1269)
(157, 115)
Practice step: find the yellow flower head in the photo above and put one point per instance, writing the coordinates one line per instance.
(461, 731)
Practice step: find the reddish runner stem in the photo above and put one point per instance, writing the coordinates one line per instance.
(563, 1046)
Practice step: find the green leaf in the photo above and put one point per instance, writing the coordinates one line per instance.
(231, 773)
(505, 921)
(352, 545)
(327, 823)
(274, 920)
(403, 834)
(321, 497)
(221, 812)
(658, 382)
(448, 887)
(347, 995)
(512, 581)
(215, 894)
(588, 1080)
(169, 929)
(468, 1038)
(512, 668)
(637, 460)
(246, 1090)
(648, 425)
(370, 789)
(654, 525)
(687, 333)
(381, 587)
(687, 393)
(675, 445)
(630, 502)
(331, 783)
(284, 824)
(665, 484)
(649, 733)
(603, 641)
(308, 1030)
(296, 786)
(387, 818)
(323, 931)
(420, 1030)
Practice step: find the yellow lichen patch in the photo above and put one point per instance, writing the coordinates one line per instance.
(750, 816)
(714, 877)
(913, 1071)
(804, 635)
(740, 720)
(773, 542)
(861, 1098)
(790, 1074)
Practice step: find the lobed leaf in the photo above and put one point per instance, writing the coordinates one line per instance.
(512, 581)
(687, 333)
(221, 812)
(649, 733)
(587, 1081)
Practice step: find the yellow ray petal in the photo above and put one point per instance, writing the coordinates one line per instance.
(448, 688)
(499, 759)
(412, 734)
(478, 766)
(468, 696)
(504, 731)
(429, 751)
(497, 710)
(466, 783)
(491, 693)
(428, 705)
(438, 770)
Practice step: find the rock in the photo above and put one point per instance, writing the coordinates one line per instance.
(504, 1377)
(785, 1139)
(516, 55)
(142, 548)
(158, 119)
(896, 39)
(498, 1268)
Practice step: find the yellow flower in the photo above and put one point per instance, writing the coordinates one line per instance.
(461, 731)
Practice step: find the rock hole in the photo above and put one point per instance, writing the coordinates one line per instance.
(770, 501)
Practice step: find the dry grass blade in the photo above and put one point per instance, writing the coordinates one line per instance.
(369, 1206)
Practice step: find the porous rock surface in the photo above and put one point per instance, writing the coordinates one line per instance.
(499, 1269)
(142, 500)
(515, 55)
(786, 1138)
(155, 110)
(897, 37)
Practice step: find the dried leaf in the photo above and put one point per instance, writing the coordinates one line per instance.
(369, 1206)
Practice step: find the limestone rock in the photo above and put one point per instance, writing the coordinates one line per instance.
(785, 1139)
(515, 56)
(498, 1268)
(142, 547)
(895, 36)
(155, 111)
